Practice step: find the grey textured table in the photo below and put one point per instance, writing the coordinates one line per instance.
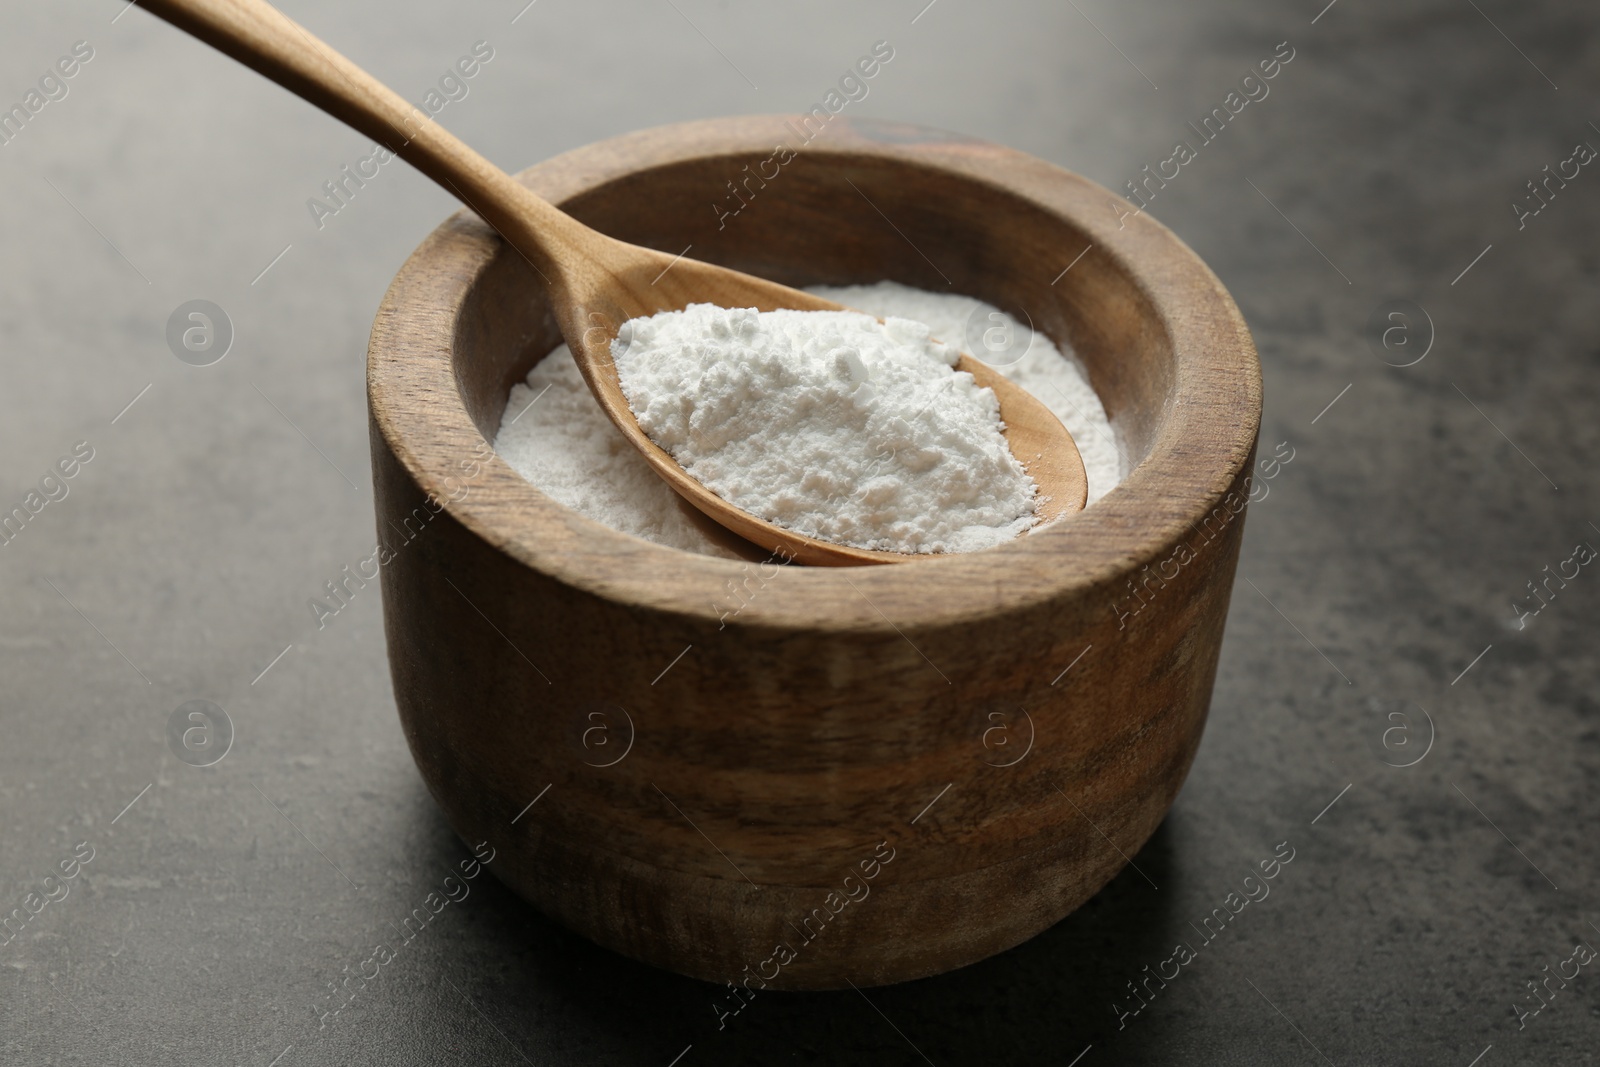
(1387, 573)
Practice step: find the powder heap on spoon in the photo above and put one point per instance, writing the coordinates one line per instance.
(829, 423)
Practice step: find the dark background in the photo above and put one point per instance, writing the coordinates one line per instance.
(1384, 562)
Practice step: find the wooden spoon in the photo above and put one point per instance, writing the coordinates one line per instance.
(596, 283)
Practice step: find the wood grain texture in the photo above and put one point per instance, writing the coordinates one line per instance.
(783, 723)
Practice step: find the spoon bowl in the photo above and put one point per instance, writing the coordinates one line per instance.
(596, 283)
(1033, 432)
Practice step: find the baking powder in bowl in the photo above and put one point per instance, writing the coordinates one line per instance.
(828, 423)
(555, 435)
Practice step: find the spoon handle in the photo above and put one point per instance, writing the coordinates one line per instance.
(264, 39)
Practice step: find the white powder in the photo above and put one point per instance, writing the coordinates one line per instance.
(1055, 379)
(828, 423)
(554, 434)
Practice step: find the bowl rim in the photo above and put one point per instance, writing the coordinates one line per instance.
(1206, 438)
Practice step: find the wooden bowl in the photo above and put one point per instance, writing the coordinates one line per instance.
(862, 774)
